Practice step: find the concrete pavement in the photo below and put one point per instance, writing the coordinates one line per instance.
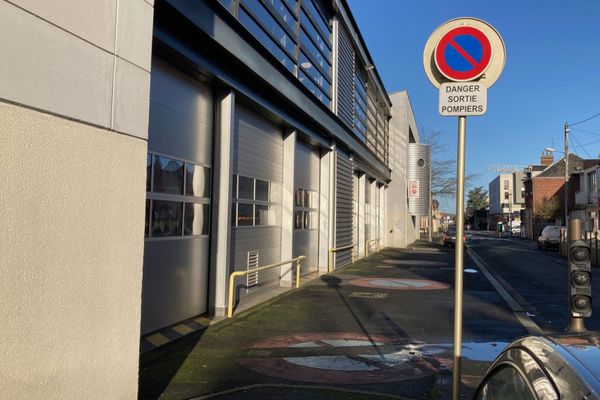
(379, 328)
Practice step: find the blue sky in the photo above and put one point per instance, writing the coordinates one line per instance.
(552, 74)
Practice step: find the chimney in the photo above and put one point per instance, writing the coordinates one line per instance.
(547, 158)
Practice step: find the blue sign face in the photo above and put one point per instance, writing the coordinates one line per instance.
(462, 52)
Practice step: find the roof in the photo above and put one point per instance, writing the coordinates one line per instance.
(558, 168)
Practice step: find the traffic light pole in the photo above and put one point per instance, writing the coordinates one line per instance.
(576, 324)
(458, 256)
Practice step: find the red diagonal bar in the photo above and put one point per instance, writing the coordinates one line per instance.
(463, 53)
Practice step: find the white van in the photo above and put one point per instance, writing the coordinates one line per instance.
(550, 237)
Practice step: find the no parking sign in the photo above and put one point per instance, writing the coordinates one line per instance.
(463, 58)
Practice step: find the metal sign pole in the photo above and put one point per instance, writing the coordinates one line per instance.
(458, 256)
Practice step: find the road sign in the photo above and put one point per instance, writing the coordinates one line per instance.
(413, 189)
(463, 54)
(464, 49)
(462, 98)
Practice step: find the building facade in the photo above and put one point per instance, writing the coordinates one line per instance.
(506, 200)
(186, 140)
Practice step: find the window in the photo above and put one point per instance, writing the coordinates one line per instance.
(506, 185)
(505, 384)
(306, 204)
(298, 36)
(253, 203)
(178, 198)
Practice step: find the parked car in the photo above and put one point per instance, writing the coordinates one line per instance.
(545, 367)
(450, 237)
(549, 238)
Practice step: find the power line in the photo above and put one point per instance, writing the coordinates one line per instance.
(585, 120)
(588, 132)
(583, 148)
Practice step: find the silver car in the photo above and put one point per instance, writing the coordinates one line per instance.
(542, 367)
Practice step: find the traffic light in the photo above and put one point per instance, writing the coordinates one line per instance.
(580, 279)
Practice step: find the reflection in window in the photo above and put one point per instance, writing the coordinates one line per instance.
(168, 175)
(245, 188)
(146, 229)
(148, 172)
(196, 219)
(262, 190)
(197, 180)
(166, 218)
(262, 215)
(298, 221)
(245, 214)
(506, 384)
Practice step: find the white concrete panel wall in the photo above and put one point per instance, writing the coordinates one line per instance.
(74, 78)
(400, 228)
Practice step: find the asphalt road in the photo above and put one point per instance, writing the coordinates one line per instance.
(535, 279)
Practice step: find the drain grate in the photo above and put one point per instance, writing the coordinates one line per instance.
(368, 295)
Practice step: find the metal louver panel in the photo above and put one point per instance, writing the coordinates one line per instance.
(252, 278)
(343, 215)
(345, 98)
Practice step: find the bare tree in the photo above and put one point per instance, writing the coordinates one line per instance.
(443, 171)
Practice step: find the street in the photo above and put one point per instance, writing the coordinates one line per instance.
(535, 279)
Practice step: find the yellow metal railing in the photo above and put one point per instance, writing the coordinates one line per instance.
(334, 250)
(368, 244)
(242, 273)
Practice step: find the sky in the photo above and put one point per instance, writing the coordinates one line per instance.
(551, 76)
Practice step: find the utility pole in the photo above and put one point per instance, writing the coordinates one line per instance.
(567, 176)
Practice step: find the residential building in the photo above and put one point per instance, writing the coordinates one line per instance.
(162, 145)
(545, 196)
(506, 200)
(587, 198)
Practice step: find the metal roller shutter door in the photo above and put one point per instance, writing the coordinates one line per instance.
(343, 216)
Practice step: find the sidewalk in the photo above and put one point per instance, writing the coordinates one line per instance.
(379, 328)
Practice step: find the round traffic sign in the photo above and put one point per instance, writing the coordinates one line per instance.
(463, 54)
(464, 49)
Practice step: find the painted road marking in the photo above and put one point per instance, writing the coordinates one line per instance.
(414, 262)
(518, 311)
(368, 295)
(398, 284)
(377, 359)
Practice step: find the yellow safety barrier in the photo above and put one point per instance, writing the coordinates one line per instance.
(242, 273)
(368, 245)
(333, 250)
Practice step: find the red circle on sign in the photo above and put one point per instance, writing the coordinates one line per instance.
(478, 66)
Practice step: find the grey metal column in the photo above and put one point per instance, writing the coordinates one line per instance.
(287, 208)
(221, 209)
(458, 259)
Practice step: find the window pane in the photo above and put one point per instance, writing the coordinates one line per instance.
(305, 216)
(314, 73)
(507, 383)
(266, 40)
(314, 89)
(234, 187)
(298, 219)
(148, 172)
(269, 24)
(226, 4)
(313, 220)
(147, 214)
(196, 219)
(299, 198)
(197, 180)
(306, 200)
(283, 11)
(166, 218)
(320, 42)
(262, 190)
(321, 23)
(245, 188)
(314, 199)
(233, 214)
(308, 46)
(168, 175)
(245, 215)
(263, 215)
